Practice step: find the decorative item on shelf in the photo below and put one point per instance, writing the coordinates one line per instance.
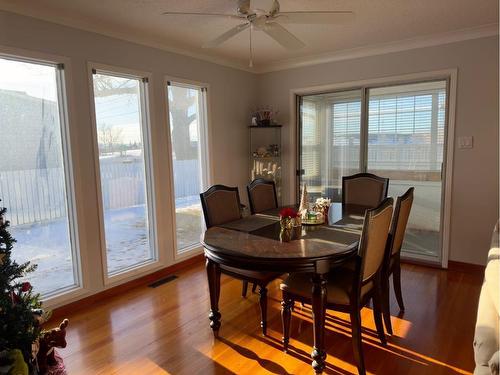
(261, 152)
(273, 150)
(264, 116)
(288, 218)
(323, 205)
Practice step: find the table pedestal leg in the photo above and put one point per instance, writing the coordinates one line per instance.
(319, 310)
(213, 275)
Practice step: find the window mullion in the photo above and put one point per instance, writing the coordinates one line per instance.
(363, 136)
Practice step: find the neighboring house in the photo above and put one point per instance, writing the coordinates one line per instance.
(29, 125)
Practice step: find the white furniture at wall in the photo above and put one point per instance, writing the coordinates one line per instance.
(486, 338)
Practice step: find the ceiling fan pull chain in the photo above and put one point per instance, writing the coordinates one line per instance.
(250, 64)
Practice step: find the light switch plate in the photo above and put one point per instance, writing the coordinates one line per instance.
(465, 142)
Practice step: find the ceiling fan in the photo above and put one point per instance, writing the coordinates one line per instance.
(265, 15)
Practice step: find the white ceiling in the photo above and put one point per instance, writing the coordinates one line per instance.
(378, 23)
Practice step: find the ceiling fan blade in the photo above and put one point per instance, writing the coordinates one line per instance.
(203, 14)
(282, 35)
(227, 35)
(315, 17)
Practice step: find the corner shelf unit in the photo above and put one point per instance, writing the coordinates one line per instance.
(265, 154)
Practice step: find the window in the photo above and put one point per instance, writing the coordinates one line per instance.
(187, 115)
(122, 130)
(34, 175)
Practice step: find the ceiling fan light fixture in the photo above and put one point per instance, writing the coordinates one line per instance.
(265, 16)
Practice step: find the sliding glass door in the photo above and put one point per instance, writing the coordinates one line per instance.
(396, 131)
(330, 141)
(406, 134)
(187, 119)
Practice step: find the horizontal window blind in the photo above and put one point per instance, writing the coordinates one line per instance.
(406, 127)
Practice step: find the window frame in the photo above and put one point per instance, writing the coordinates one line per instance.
(205, 162)
(449, 75)
(65, 104)
(146, 111)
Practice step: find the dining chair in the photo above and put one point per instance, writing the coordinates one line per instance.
(392, 262)
(221, 204)
(349, 290)
(364, 189)
(262, 195)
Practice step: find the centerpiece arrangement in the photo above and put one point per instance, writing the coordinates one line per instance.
(290, 223)
(313, 213)
(322, 206)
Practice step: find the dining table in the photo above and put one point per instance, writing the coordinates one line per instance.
(253, 243)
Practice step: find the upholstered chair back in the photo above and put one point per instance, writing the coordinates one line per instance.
(400, 220)
(373, 240)
(221, 204)
(364, 189)
(261, 195)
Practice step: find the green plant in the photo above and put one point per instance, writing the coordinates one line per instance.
(19, 327)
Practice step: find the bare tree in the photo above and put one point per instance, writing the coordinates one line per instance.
(107, 86)
(179, 103)
(110, 137)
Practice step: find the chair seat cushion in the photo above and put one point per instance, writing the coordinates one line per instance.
(263, 277)
(339, 285)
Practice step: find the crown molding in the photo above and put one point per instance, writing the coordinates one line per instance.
(126, 36)
(383, 48)
(273, 66)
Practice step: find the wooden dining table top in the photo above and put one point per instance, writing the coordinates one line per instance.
(257, 236)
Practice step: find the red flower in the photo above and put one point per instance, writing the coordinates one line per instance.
(288, 212)
(25, 287)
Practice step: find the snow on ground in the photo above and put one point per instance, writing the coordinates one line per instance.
(46, 244)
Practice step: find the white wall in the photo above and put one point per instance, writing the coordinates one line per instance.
(231, 98)
(474, 206)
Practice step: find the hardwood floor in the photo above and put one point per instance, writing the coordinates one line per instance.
(165, 330)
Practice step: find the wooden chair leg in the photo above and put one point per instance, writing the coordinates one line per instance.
(263, 308)
(377, 316)
(286, 317)
(244, 289)
(386, 308)
(356, 341)
(396, 279)
(254, 288)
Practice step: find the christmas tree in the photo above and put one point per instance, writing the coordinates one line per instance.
(19, 327)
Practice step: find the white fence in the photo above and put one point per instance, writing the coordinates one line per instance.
(38, 195)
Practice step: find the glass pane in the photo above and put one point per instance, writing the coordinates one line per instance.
(185, 123)
(330, 141)
(122, 170)
(406, 143)
(32, 173)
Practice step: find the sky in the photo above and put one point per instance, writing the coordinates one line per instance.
(34, 79)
